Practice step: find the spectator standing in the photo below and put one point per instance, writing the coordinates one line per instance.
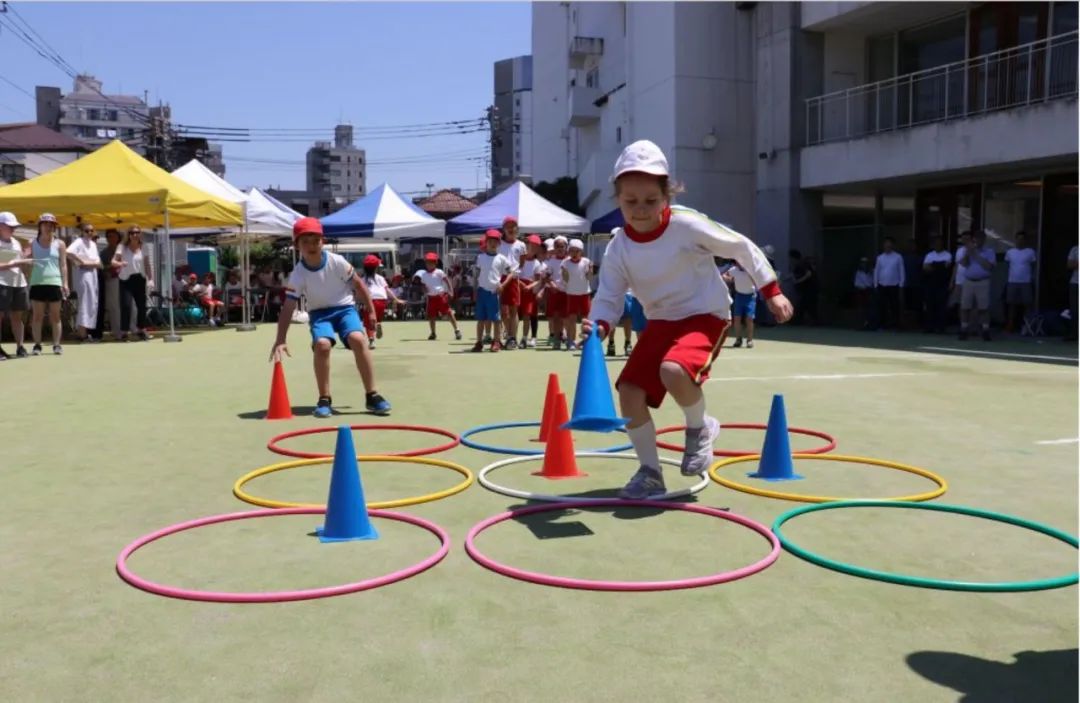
(806, 287)
(1019, 293)
(48, 282)
(937, 265)
(109, 287)
(864, 291)
(14, 290)
(978, 261)
(83, 252)
(135, 279)
(889, 282)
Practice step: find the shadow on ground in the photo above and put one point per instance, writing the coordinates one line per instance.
(1034, 677)
(546, 525)
(301, 410)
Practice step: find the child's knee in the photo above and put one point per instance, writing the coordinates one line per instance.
(357, 340)
(631, 398)
(322, 346)
(672, 374)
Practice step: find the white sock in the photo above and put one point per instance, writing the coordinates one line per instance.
(644, 440)
(695, 414)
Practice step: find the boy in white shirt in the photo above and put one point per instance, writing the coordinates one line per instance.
(665, 253)
(745, 304)
(575, 273)
(494, 273)
(328, 281)
(510, 299)
(1018, 293)
(439, 292)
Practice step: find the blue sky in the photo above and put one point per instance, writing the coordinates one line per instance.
(288, 65)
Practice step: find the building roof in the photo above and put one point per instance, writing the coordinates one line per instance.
(28, 136)
(446, 202)
(91, 97)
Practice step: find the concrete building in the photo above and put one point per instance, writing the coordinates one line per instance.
(826, 126)
(91, 117)
(335, 172)
(28, 150)
(511, 129)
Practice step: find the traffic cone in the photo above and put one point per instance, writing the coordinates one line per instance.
(279, 408)
(549, 407)
(559, 459)
(594, 407)
(346, 511)
(775, 463)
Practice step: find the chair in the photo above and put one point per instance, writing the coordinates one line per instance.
(1033, 325)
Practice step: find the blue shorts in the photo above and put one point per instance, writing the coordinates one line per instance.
(633, 309)
(342, 320)
(487, 305)
(745, 304)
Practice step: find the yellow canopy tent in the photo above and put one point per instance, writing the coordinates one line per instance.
(113, 187)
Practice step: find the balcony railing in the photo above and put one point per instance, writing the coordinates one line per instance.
(1032, 73)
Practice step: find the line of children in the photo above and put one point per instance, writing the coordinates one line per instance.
(328, 282)
(439, 293)
(665, 253)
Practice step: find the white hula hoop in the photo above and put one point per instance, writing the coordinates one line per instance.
(526, 495)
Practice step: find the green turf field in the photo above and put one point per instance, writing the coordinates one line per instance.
(113, 441)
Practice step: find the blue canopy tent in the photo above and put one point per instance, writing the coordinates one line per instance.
(608, 222)
(383, 214)
(533, 213)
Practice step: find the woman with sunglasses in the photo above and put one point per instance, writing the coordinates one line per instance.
(84, 254)
(48, 282)
(135, 278)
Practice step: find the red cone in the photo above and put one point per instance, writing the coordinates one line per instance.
(549, 407)
(559, 459)
(280, 408)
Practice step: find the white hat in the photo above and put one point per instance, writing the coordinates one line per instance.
(9, 219)
(549, 244)
(560, 238)
(47, 217)
(642, 157)
(577, 244)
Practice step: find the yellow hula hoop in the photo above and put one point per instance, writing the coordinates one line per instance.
(714, 473)
(239, 492)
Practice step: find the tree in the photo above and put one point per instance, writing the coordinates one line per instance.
(562, 192)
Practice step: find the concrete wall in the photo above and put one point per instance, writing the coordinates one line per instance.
(550, 51)
(1022, 134)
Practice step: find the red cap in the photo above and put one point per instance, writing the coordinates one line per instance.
(493, 234)
(371, 260)
(192, 277)
(509, 218)
(431, 256)
(534, 239)
(307, 225)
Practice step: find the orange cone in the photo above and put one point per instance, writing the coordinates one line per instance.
(549, 407)
(559, 459)
(280, 408)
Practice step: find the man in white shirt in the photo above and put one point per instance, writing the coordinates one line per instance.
(978, 261)
(1019, 293)
(936, 267)
(889, 282)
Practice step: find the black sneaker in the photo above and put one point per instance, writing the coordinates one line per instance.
(738, 343)
(4, 356)
(511, 344)
(36, 351)
(20, 352)
(457, 335)
(57, 349)
(611, 349)
(431, 337)
(324, 407)
(377, 405)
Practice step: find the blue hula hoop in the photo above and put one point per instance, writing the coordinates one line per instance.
(520, 452)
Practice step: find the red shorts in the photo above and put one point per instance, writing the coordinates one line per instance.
(692, 343)
(438, 305)
(380, 309)
(577, 305)
(511, 293)
(527, 307)
(556, 305)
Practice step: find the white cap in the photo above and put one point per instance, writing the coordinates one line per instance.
(47, 217)
(9, 219)
(642, 157)
(549, 244)
(577, 244)
(560, 238)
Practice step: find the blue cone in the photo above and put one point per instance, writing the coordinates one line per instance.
(775, 463)
(346, 510)
(594, 407)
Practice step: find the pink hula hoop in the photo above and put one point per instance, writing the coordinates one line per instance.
(276, 596)
(623, 586)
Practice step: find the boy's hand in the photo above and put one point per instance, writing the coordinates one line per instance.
(277, 351)
(587, 328)
(780, 307)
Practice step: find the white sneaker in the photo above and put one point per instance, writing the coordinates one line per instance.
(699, 448)
(531, 343)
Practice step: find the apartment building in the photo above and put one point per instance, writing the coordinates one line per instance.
(336, 172)
(511, 121)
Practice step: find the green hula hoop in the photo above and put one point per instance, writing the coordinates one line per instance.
(888, 577)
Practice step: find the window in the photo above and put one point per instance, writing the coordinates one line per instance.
(334, 158)
(335, 172)
(359, 159)
(592, 78)
(93, 114)
(336, 187)
(113, 116)
(618, 135)
(933, 45)
(12, 173)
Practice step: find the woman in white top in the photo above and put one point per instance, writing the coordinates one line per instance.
(83, 253)
(135, 279)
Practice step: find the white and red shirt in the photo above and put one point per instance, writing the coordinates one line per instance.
(329, 285)
(435, 282)
(492, 268)
(671, 269)
(575, 275)
(532, 269)
(377, 286)
(554, 268)
(513, 251)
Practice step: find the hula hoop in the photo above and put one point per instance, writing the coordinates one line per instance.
(276, 596)
(520, 452)
(515, 493)
(622, 586)
(272, 445)
(239, 492)
(714, 472)
(919, 581)
(823, 449)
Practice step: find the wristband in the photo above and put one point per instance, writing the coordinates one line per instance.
(771, 290)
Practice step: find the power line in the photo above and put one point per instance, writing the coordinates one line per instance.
(18, 87)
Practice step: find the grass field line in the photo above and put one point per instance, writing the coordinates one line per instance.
(1009, 355)
(1074, 440)
(825, 376)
